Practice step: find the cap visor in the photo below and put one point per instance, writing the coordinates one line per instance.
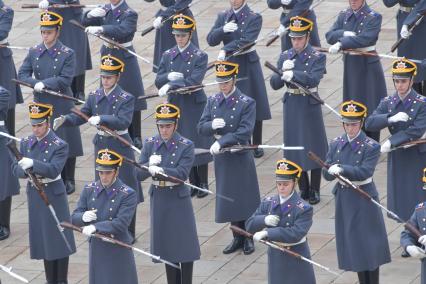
(36, 121)
(166, 121)
(223, 79)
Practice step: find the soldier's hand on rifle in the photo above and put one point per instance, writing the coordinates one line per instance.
(281, 31)
(89, 230)
(415, 251)
(260, 236)
(349, 33)
(335, 169)
(272, 220)
(222, 55)
(163, 90)
(386, 147)
(400, 116)
(26, 163)
(230, 27)
(287, 65)
(218, 123)
(94, 120)
(215, 148)
(96, 13)
(89, 216)
(335, 48)
(39, 86)
(174, 76)
(155, 170)
(287, 75)
(405, 33)
(94, 30)
(422, 240)
(57, 122)
(157, 23)
(44, 4)
(154, 160)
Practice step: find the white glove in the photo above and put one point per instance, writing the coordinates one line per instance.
(155, 170)
(215, 148)
(349, 33)
(44, 4)
(334, 49)
(422, 240)
(26, 163)
(281, 31)
(39, 86)
(405, 33)
(386, 147)
(57, 122)
(89, 230)
(94, 30)
(260, 235)
(89, 216)
(287, 65)
(335, 169)
(163, 90)
(285, 2)
(218, 123)
(230, 27)
(222, 55)
(272, 220)
(174, 76)
(154, 160)
(96, 13)
(400, 116)
(287, 76)
(94, 120)
(157, 22)
(415, 251)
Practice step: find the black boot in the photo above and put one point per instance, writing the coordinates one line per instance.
(194, 179)
(248, 246)
(5, 208)
(68, 175)
(373, 276)
(314, 196)
(4, 233)
(70, 186)
(257, 138)
(258, 153)
(236, 244)
(202, 194)
(62, 270)
(405, 254)
(50, 271)
(304, 185)
(77, 87)
(138, 142)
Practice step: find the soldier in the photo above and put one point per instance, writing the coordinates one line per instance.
(107, 206)
(173, 230)
(236, 27)
(229, 117)
(357, 28)
(290, 9)
(75, 39)
(118, 22)
(53, 65)
(413, 245)
(45, 155)
(285, 219)
(404, 114)
(163, 35)
(411, 47)
(181, 66)
(7, 67)
(361, 239)
(9, 184)
(110, 106)
(304, 65)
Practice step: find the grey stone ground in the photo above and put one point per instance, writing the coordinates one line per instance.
(214, 267)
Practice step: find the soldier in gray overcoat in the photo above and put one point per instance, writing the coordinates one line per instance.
(118, 22)
(285, 219)
(229, 117)
(173, 230)
(7, 67)
(290, 9)
(51, 65)
(45, 155)
(9, 184)
(112, 107)
(107, 206)
(163, 34)
(404, 114)
(74, 38)
(306, 66)
(182, 66)
(357, 28)
(236, 27)
(361, 239)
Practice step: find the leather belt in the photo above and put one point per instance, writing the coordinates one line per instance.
(405, 9)
(163, 183)
(300, 92)
(1, 122)
(359, 182)
(291, 244)
(366, 49)
(119, 132)
(125, 44)
(4, 41)
(49, 180)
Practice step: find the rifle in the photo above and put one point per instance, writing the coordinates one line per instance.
(254, 147)
(114, 43)
(177, 12)
(50, 92)
(40, 189)
(175, 179)
(60, 6)
(281, 248)
(410, 144)
(111, 240)
(303, 89)
(411, 28)
(13, 274)
(4, 134)
(107, 130)
(14, 47)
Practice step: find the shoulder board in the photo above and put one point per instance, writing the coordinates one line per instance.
(124, 189)
(66, 49)
(214, 97)
(344, 10)
(91, 185)
(244, 98)
(199, 52)
(316, 53)
(337, 139)
(371, 142)
(420, 98)
(6, 8)
(124, 95)
(34, 47)
(25, 139)
(150, 139)
(185, 141)
(373, 13)
(58, 141)
(94, 93)
(420, 206)
(302, 205)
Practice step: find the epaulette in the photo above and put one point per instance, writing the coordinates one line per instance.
(420, 205)
(25, 139)
(150, 139)
(316, 53)
(91, 185)
(302, 205)
(344, 11)
(168, 51)
(34, 47)
(215, 97)
(124, 95)
(420, 98)
(129, 10)
(124, 189)
(373, 13)
(94, 93)
(244, 98)
(337, 139)
(199, 52)
(58, 141)
(371, 142)
(185, 141)
(66, 49)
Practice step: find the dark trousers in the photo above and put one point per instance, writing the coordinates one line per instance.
(314, 183)
(199, 175)
(257, 132)
(68, 172)
(5, 208)
(56, 271)
(77, 85)
(182, 276)
(132, 227)
(369, 277)
(135, 126)
(10, 121)
(420, 87)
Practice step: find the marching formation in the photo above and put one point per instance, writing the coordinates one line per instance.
(195, 127)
